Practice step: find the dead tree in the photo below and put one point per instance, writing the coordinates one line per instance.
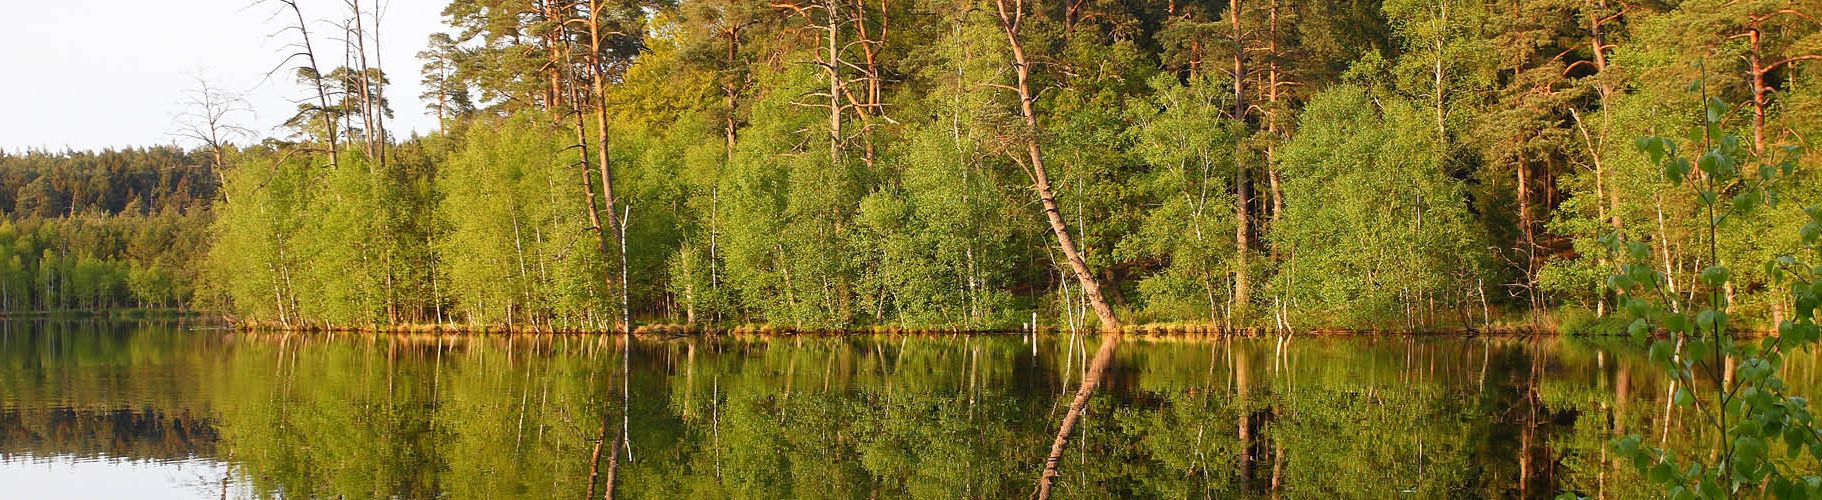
(207, 120)
(314, 74)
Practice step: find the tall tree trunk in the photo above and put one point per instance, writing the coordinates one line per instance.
(1760, 98)
(316, 79)
(556, 54)
(1011, 17)
(379, 118)
(832, 64)
(1271, 128)
(1242, 183)
(1527, 226)
(363, 78)
(598, 73)
(593, 212)
(1597, 38)
(731, 130)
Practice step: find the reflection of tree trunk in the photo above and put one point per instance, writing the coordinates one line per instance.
(1090, 379)
(1524, 460)
(1670, 395)
(1622, 391)
(594, 461)
(1243, 378)
(613, 467)
(1277, 454)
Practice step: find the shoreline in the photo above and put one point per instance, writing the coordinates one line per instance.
(766, 330)
(675, 330)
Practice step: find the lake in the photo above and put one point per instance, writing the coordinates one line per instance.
(184, 409)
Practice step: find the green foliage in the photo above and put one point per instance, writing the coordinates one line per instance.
(1732, 383)
(1376, 224)
(1408, 164)
(517, 249)
(1181, 134)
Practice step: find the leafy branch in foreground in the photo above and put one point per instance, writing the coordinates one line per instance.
(1733, 384)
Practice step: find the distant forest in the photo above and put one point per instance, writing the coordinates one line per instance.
(95, 230)
(973, 164)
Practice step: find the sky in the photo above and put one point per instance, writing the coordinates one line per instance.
(92, 74)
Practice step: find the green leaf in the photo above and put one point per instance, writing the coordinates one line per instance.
(1683, 398)
(1677, 170)
(1652, 146)
(1715, 275)
(1716, 109)
(1638, 328)
(1661, 351)
(1746, 201)
(1638, 250)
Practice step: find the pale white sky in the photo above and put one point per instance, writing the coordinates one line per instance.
(89, 74)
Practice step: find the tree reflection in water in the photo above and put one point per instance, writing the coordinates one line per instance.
(826, 417)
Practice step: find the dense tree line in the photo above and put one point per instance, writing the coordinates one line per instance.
(1257, 164)
(98, 230)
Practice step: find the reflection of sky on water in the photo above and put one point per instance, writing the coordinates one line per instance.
(35, 477)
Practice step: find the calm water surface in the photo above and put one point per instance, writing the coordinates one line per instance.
(180, 410)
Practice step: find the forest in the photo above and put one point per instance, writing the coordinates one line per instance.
(102, 230)
(954, 165)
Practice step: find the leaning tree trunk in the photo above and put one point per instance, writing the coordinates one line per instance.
(1011, 17)
(1010, 20)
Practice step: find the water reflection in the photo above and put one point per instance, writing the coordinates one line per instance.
(867, 416)
(30, 476)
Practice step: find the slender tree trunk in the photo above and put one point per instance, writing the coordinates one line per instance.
(1011, 15)
(556, 56)
(1760, 93)
(598, 70)
(379, 118)
(1526, 226)
(1242, 183)
(1271, 126)
(363, 78)
(832, 64)
(588, 182)
(316, 79)
(870, 104)
(727, 161)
